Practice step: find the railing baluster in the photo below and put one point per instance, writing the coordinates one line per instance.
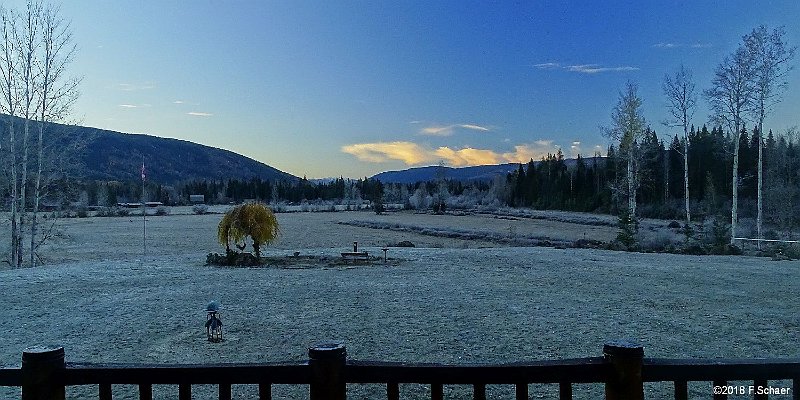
(522, 391)
(105, 391)
(763, 383)
(722, 395)
(145, 391)
(479, 391)
(264, 391)
(392, 391)
(796, 389)
(437, 391)
(681, 390)
(185, 391)
(565, 391)
(224, 391)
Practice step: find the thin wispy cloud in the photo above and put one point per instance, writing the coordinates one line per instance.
(178, 102)
(595, 68)
(130, 87)
(448, 130)
(129, 106)
(667, 45)
(549, 65)
(199, 114)
(663, 45)
(584, 68)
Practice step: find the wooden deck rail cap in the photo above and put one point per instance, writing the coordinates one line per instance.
(327, 351)
(623, 348)
(42, 369)
(43, 353)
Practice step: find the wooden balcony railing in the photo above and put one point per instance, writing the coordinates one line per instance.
(622, 369)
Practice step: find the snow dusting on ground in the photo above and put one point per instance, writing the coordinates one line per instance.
(447, 300)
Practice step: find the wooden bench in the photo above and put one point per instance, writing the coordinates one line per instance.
(352, 255)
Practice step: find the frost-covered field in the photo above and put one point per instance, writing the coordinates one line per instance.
(448, 300)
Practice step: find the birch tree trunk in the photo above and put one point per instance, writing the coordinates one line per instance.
(9, 107)
(56, 94)
(771, 57)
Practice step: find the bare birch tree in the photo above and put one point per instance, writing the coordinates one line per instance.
(26, 38)
(628, 126)
(8, 105)
(730, 96)
(680, 93)
(35, 49)
(57, 94)
(771, 59)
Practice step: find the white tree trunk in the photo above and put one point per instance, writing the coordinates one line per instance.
(760, 185)
(686, 175)
(735, 185)
(631, 185)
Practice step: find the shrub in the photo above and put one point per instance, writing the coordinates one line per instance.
(792, 251)
(199, 209)
(253, 220)
(232, 258)
(122, 212)
(161, 210)
(378, 206)
(674, 225)
(82, 213)
(628, 226)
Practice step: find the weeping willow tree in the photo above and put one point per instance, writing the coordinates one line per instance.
(253, 220)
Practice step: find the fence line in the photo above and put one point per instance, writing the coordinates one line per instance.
(768, 240)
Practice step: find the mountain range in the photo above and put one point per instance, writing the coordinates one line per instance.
(113, 156)
(463, 174)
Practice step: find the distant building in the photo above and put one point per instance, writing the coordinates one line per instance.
(197, 198)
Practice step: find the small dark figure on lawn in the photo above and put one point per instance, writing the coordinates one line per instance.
(213, 322)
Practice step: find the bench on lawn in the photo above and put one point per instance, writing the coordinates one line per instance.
(355, 255)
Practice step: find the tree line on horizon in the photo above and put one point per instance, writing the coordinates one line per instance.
(590, 185)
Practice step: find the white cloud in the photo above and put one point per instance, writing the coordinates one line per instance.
(407, 152)
(199, 114)
(130, 87)
(450, 129)
(585, 68)
(595, 68)
(129, 106)
(663, 45)
(178, 102)
(414, 154)
(701, 46)
(525, 152)
(575, 149)
(548, 65)
(467, 156)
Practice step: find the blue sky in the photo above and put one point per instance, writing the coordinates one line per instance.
(350, 89)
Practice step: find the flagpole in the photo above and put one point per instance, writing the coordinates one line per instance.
(144, 217)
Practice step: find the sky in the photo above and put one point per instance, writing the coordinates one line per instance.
(345, 88)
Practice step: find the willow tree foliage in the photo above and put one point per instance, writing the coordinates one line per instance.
(250, 220)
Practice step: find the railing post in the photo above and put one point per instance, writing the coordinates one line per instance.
(42, 373)
(625, 382)
(327, 363)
